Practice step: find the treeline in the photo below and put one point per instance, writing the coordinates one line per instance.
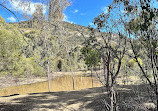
(24, 51)
(12, 59)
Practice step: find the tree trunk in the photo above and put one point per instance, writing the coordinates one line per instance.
(157, 104)
(48, 76)
(111, 100)
(50, 11)
(92, 76)
(112, 96)
(156, 101)
(73, 82)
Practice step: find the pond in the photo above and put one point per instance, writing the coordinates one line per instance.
(63, 83)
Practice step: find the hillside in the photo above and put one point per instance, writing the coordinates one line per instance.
(63, 39)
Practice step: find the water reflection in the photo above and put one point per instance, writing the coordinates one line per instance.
(64, 83)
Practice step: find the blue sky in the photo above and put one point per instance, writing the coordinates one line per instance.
(81, 12)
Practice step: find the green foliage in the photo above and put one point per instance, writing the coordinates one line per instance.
(27, 54)
(91, 56)
(2, 20)
(132, 62)
(12, 61)
(142, 22)
(9, 51)
(124, 61)
(134, 25)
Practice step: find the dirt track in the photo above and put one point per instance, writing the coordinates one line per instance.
(83, 100)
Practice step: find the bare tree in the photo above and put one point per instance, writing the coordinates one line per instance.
(109, 40)
(56, 8)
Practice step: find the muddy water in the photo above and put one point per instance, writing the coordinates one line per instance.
(58, 84)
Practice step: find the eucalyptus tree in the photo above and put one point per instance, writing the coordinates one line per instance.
(108, 38)
(142, 27)
(91, 58)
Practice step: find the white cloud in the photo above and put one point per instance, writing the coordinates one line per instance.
(66, 19)
(123, 11)
(75, 11)
(105, 9)
(26, 7)
(11, 19)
